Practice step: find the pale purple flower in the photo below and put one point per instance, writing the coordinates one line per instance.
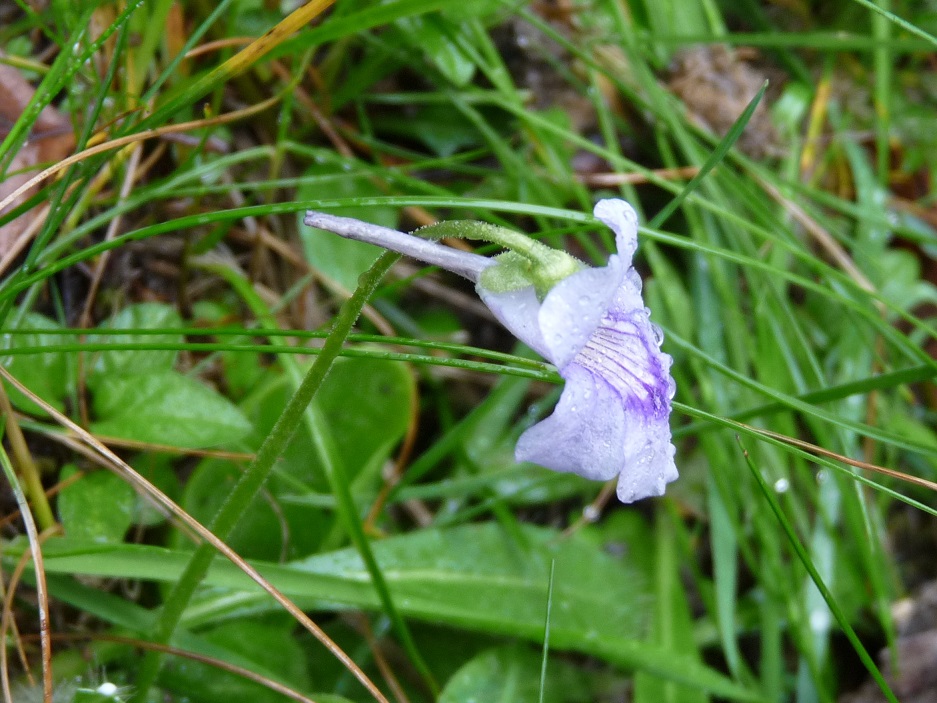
(613, 417)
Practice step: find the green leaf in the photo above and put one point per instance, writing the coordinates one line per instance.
(368, 405)
(442, 128)
(437, 38)
(673, 623)
(158, 469)
(901, 282)
(98, 507)
(512, 674)
(89, 695)
(341, 259)
(267, 529)
(146, 316)
(45, 374)
(166, 407)
(474, 576)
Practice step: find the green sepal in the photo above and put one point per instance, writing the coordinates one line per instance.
(512, 272)
(527, 261)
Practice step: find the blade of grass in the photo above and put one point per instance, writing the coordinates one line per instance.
(716, 157)
(815, 577)
(892, 17)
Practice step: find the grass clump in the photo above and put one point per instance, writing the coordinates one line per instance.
(345, 422)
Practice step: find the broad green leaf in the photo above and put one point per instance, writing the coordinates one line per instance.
(45, 374)
(98, 507)
(368, 405)
(146, 316)
(476, 576)
(512, 674)
(269, 529)
(158, 469)
(343, 260)
(901, 280)
(166, 407)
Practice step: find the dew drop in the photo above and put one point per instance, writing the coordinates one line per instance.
(107, 689)
(819, 620)
(658, 334)
(782, 485)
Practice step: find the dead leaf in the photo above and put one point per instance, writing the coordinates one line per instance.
(716, 83)
(51, 139)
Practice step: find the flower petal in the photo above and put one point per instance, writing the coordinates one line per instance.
(623, 221)
(518, 310)
(585, 433)
(652, 467)
(574, 307)
(613, 416)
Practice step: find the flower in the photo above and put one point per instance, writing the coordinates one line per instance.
(613, 416)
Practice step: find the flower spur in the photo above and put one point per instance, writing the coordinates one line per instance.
(613, 416)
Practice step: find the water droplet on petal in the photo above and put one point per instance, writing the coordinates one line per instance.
(658, 334)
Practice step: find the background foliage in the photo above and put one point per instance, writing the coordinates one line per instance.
(160, 291)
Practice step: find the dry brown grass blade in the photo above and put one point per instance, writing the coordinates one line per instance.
(822, 237)
(164, 502)
(34, 554)
(608, 180)
(138, 137)
(814, 449)
(272, 38)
